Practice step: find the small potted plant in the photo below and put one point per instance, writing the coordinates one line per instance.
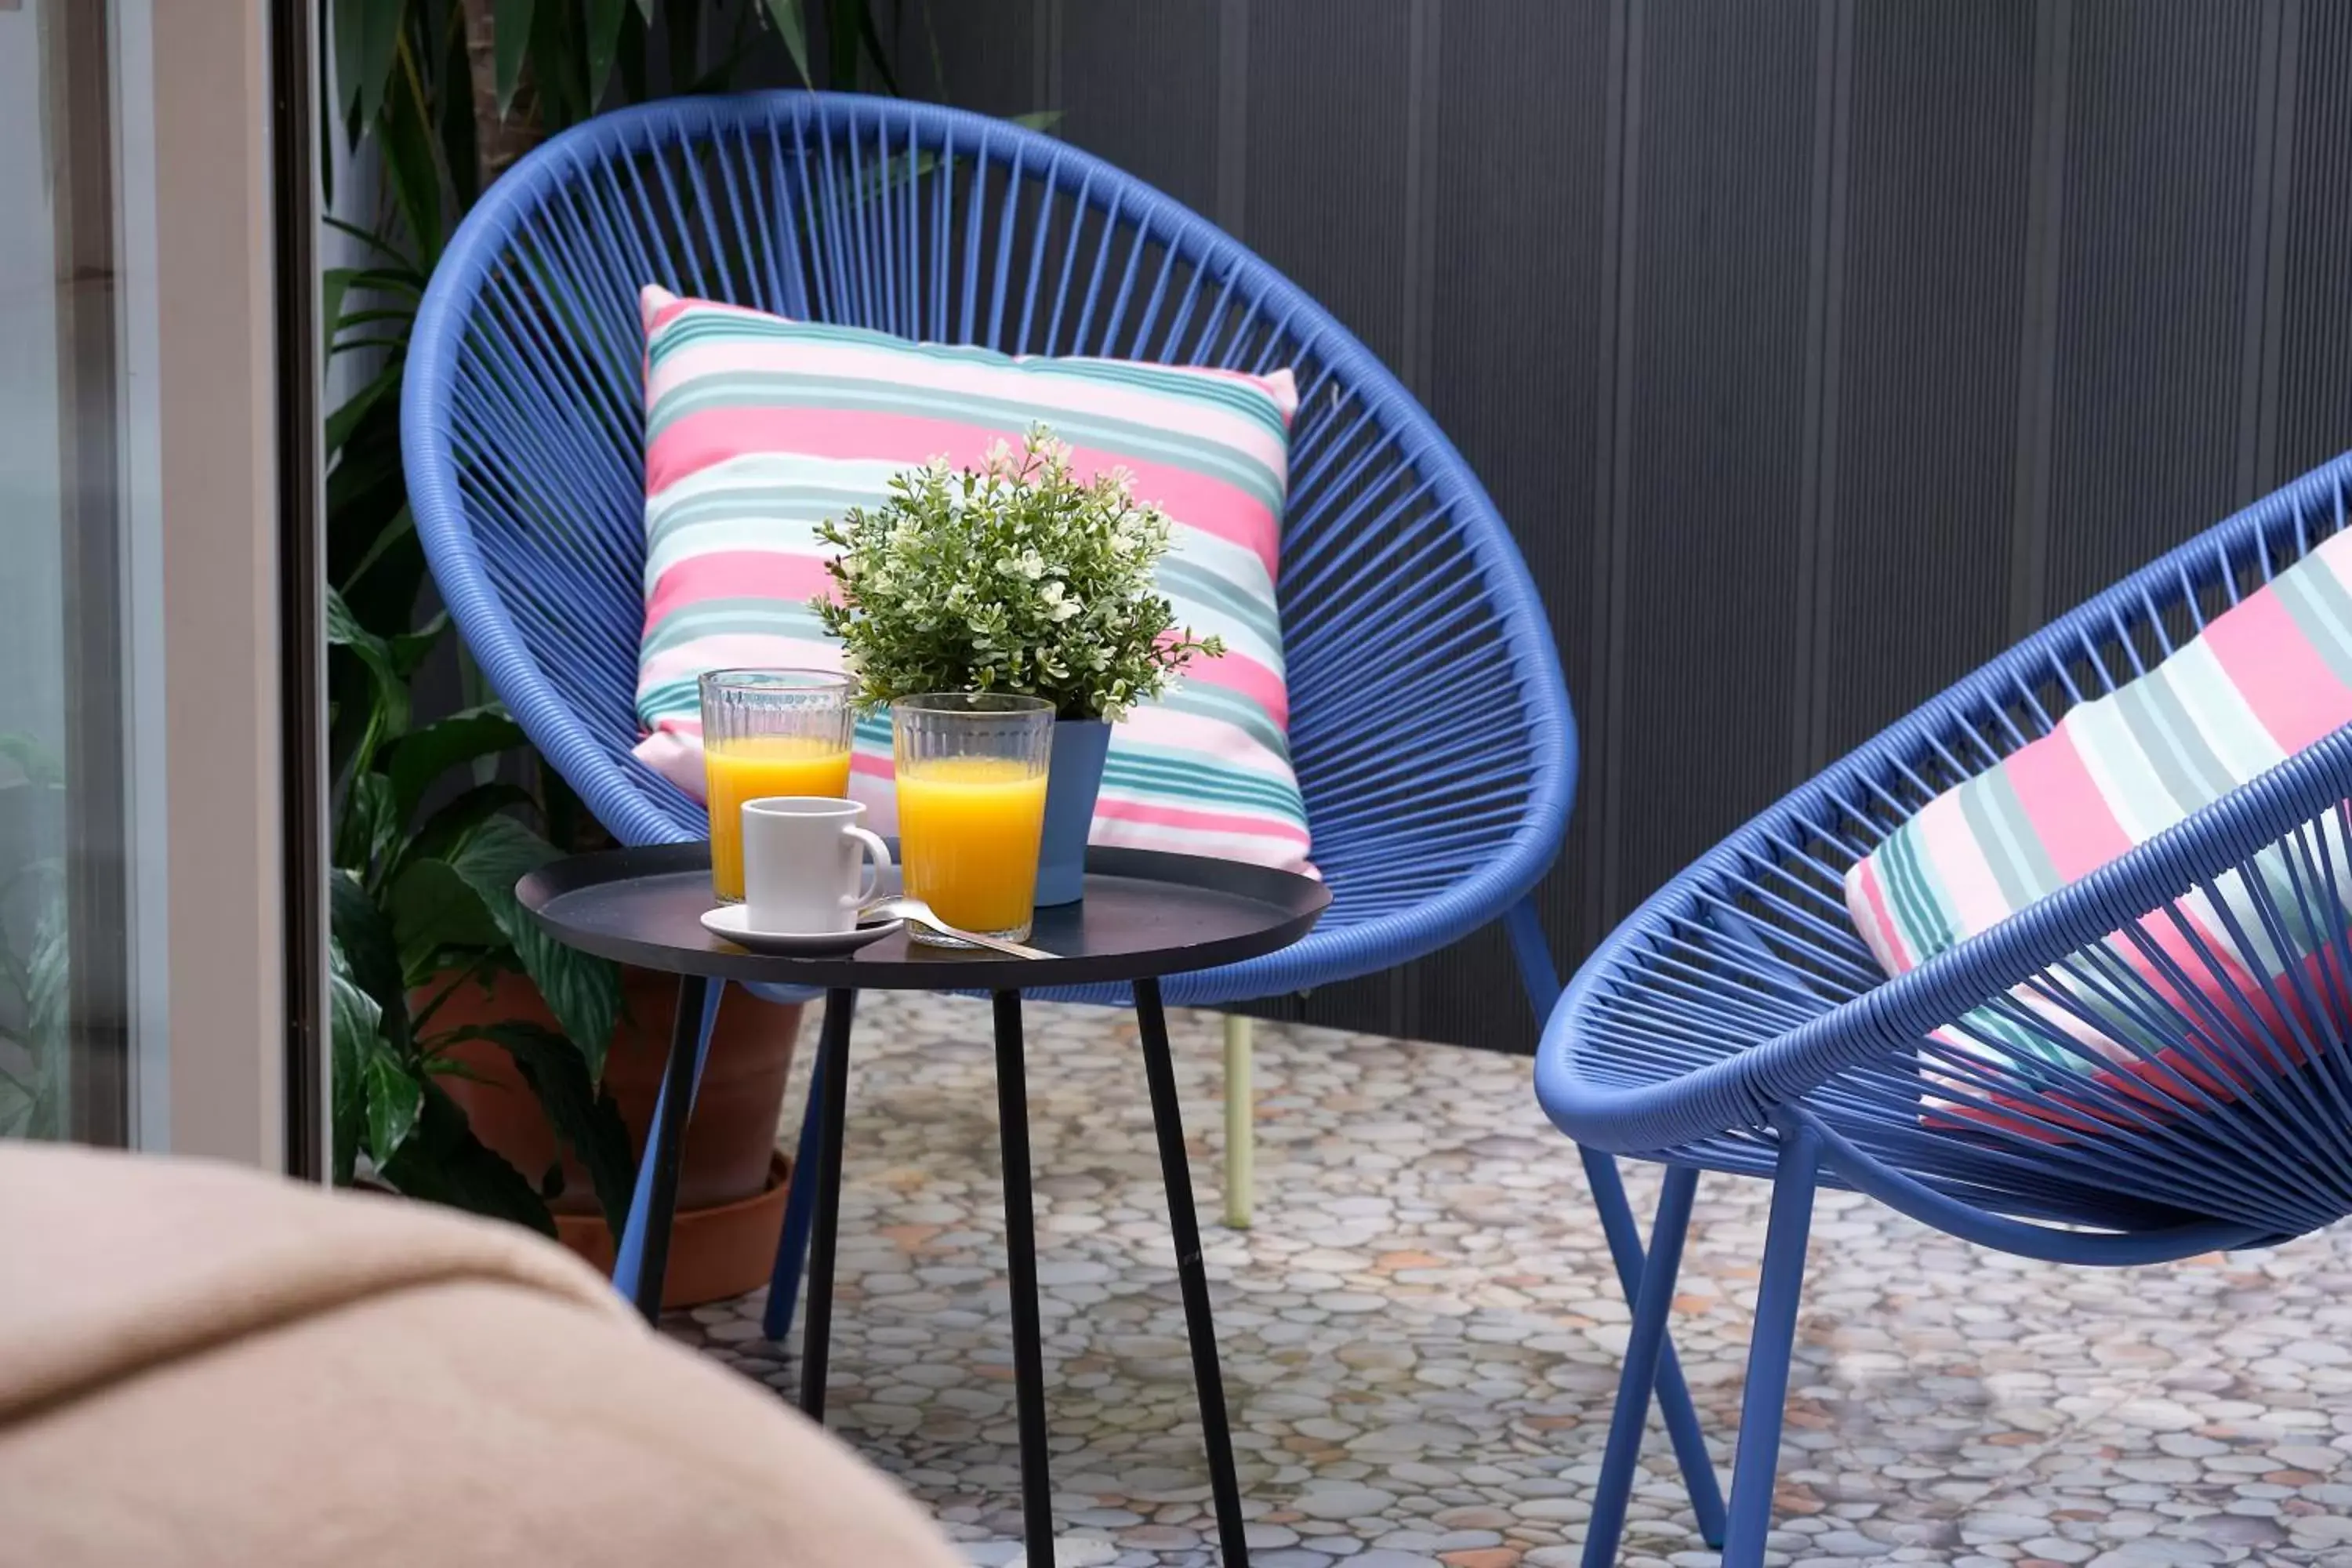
(1014, 577)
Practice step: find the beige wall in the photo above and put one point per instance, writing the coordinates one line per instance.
(218, 503)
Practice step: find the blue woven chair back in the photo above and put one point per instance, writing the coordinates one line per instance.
(1741, 990)
(1430, 728)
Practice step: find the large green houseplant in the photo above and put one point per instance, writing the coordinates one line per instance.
(434, 821)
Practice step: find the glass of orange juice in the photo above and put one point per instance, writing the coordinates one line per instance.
(971, 807)
(768, 732)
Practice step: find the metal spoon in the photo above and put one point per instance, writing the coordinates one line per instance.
(900, 906)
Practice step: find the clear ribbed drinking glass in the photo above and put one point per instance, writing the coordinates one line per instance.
(971, 807)
(768, 732)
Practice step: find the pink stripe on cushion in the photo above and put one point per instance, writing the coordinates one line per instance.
(1877, 926)
(888, 368)
(1112, 805)
(2286, 682)
(696, 441)
(737, 574)
(2076, 827)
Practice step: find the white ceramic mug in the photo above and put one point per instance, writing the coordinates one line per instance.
(804, 863)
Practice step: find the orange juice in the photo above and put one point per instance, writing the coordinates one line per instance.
(968, 832)
(753, 767)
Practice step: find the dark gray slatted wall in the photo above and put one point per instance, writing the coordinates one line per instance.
(1159, 123)
(2152, 286)
(1515, 347)
(1921, 436)
(1814, 349)
(1705, 514)
(2310, 418)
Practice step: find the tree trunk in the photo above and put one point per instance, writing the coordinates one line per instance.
(498, 140)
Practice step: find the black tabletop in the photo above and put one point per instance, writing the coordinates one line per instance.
(1145, 914)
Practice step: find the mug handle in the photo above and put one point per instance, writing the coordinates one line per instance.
(878, 856)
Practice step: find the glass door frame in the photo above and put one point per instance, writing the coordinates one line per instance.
(215, 163)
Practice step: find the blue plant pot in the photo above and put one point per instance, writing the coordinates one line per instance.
(1073, 777)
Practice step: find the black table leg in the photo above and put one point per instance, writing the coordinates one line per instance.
(677, 1105)
(1021, 1253)
(832, 1114)
(1192, 1274)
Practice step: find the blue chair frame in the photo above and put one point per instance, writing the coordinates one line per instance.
(1736, 1022)
(523, 429)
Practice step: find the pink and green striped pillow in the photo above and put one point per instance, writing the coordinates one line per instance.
(2263, 680)
(758, 428)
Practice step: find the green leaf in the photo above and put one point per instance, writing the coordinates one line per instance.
(395, 1097)
(645, 10)
(368, 826)
(510, 23)
(353, 1032)
(792, 27)
(403, 526)
(333, 284)
(603, 42)
(556, 60)
(435, 913)
(345, 419)
(586, 1121)
(365, 952)
(367, 34)
(389, 690)
(413, 170)
(454, 116)
(875, 51)
(464, 812)
(410, 649)
(401, 260)
(584, 992)
(424, 754)
(441, 1161)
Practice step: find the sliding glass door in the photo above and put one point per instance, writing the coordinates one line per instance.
(66, 832)
(157, 985)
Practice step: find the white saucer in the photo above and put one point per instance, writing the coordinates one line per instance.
(731, 922)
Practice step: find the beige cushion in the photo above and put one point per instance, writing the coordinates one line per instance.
(203, 1365)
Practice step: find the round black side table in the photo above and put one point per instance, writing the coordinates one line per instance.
(1145, 915)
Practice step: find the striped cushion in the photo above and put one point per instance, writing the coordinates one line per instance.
(2264, 680)
(758, 428)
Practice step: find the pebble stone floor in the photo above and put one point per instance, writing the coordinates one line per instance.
(1419, 1335)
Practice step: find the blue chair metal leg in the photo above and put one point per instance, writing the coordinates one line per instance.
(1625, 1237)
(642, 1258)
(799, 1214)
(1674, 1406)
(1767, 1394)
(1645, 1352)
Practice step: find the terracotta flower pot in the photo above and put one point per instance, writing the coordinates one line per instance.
(731, 1175)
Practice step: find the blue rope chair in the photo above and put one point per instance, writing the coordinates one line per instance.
(523, 430)
(1736, 1022)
